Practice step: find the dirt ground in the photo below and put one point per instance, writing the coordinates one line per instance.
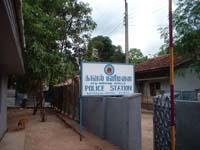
(50, 135)
(147, 131)
(55, 135)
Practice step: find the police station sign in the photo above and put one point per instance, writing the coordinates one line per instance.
(98, 79)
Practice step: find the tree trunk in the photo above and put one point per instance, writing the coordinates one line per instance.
(42, 102)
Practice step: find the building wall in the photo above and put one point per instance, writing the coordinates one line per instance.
(116, 119)
(10, 98)
(189, 81)
(3, 106)
(164, 85)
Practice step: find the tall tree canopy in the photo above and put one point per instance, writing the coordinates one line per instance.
(136, 56)
(55, 33)
(187, 27)
(186, 20)
(100, 48)
(118, 56)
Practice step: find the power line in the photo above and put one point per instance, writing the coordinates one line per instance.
(115, 28)
(156, 25)
(133, 15)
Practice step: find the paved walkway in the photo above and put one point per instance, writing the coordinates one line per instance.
(50, 135)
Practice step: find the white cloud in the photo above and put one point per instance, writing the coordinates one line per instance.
(145, 17)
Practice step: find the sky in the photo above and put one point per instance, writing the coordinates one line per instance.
(145, 17)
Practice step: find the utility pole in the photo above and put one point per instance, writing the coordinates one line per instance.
(171, 47)
(126, 32)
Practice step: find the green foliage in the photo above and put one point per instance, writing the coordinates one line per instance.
(163, 51)
(187, 27)
(186, 20)
(100, 48)
(118, 56)
(136, 56)
(181, 71)
(56, 32)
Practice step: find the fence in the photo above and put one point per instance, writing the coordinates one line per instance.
(66, 98)
(147, 101)
(187, 123)
(186, 95)
(161, 123)
(116, 119)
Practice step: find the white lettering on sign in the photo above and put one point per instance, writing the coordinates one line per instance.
(98, 79)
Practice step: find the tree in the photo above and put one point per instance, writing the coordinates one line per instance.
(54, 30)
(118, 56)
(100, 48)
(136, 56)
(186, 20)
(163, 51)
(187, 26)
(77, 28)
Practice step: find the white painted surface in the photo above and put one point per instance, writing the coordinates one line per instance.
(188, 82)
(164, 86)
(97, 81)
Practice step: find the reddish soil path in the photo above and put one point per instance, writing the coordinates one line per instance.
(50, 135)
(55, 135)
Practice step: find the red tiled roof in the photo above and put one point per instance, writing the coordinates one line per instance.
(156, 63)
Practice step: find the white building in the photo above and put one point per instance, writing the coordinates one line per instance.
(152, 78)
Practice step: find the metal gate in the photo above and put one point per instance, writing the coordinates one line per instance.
(162, 123)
